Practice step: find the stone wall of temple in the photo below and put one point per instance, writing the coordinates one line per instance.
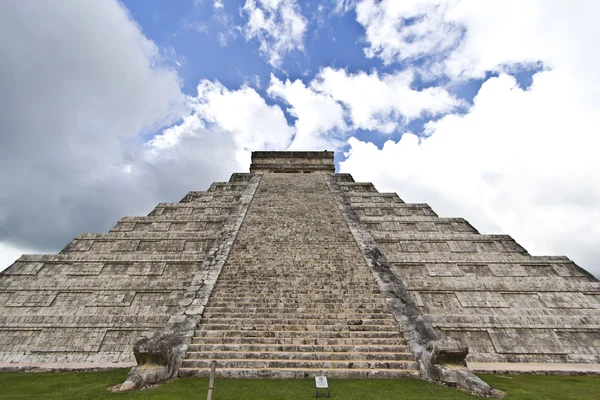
(292, 161)
(507, 305)
(91, 302)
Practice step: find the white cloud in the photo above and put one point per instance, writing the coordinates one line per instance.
(520, 162)
(75, 100)
(254, 124)
(399, 30)
(512, 31)
(278, 25)
(382, 102)
(319, 117)
(334, 102)
(343, 6)
(469, 37)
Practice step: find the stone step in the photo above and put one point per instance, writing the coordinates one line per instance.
(329, 307)
(299, 289)
(371, 346)
(174, 218)
(191, 257)
(303, 355)
(296, 233)
(292, 291)
(323, 249)
(195, 205)
(285, 296)
(417, 206)
(277, 286)
(295, 290)
(293, 314)
(244, 321)
(298, 327)
(328, 251)
(330, 276)
(316, 309)
(343, 268)
(318, 258)
(287, 269)
(246, 303)
(301, 327)
(299, 373)
(330, 279)
(204, 234)
(290, 303)
(365, 282)
(304, 364)
(305, 334)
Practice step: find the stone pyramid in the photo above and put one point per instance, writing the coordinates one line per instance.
(292, 270)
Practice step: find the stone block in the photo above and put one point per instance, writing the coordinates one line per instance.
(23, 268)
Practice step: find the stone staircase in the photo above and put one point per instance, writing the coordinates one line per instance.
(295, 297)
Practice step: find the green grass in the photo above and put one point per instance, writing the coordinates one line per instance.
(92, 385)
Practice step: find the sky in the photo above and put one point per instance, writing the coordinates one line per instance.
(485, 109)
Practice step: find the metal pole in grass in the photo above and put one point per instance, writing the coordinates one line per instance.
(211, 381)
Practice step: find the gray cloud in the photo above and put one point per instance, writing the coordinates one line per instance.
(79, 82)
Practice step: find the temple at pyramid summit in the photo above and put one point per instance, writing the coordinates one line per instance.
(293, 271)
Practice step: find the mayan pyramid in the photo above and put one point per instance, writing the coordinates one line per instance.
(292, 270)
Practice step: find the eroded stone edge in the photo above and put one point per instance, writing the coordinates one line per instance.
(425, 343)
(160, 356)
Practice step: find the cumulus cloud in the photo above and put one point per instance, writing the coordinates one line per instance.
(501, 33)
(519, 161)
(278, 25)
(79, 83)
(335, 102)
(318, 116)
(469, 37)
(254, 124)
(383, 102)
(408, 29)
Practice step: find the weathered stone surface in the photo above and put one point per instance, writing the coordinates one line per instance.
(295, 298)
(160, 356)
(292, 161)
(433, 351)
(92, 302)
(485, 290)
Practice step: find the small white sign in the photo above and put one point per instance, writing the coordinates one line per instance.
(321, 382)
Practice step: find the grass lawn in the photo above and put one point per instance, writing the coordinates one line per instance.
(92, 385)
